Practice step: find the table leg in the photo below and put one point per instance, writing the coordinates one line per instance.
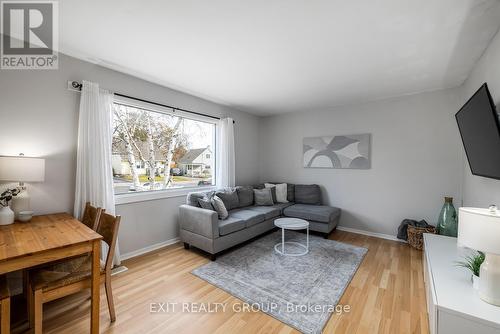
(283, 241)
(307, 240)
(95, 287)
(5, 321)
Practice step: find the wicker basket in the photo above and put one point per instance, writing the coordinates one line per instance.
(415, 235)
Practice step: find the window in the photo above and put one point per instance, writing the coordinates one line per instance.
(159, 150)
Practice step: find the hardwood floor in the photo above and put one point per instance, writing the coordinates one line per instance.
(385, 296)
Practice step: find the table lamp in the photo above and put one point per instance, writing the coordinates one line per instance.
(21, 169)
(479, 229)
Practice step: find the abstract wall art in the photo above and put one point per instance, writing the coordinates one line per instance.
(352, 152)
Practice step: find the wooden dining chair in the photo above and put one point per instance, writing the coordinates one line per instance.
(4, 306)
(91, 216)
(72, 276)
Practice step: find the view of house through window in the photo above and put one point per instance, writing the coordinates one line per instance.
(156, 151)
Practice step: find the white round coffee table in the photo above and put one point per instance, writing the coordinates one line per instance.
(291, 224)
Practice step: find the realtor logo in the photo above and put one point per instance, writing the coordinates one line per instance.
(29, 31)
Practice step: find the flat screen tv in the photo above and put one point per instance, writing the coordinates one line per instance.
(480, 130)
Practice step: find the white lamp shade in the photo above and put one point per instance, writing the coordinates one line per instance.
(479, 229)
(22, 169)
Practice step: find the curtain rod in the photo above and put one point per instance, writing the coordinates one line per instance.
(78, 86)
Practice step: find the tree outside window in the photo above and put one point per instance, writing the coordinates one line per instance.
(158, 151)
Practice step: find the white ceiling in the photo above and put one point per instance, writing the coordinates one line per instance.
(276, 56)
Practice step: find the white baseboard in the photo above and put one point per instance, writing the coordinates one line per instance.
(371, 234)
(154, 247)
(118, 270)
(148, 249)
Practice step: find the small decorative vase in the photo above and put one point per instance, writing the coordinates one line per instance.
(475, 282)
(6, 215)
(447, 221)
(21, 202)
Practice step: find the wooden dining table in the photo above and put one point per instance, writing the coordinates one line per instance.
(51, 238)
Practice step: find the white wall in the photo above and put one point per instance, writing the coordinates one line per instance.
(416, 158)
(480, 191)
(38, 116)
(417, 155)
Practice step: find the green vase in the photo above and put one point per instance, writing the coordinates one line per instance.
(447, 221)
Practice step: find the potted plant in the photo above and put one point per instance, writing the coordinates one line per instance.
(473, 263)
(6, 214)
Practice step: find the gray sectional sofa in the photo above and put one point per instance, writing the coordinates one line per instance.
(203, 229)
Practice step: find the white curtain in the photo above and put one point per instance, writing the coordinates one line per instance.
(225, 157)
(94, 176)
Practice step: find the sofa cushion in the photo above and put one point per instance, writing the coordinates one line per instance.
(250, 217)
(192, 198)
(319, 213)
(230, 225)
(282, 206)
(229, 197)
(290, 190)
(268, 211)
(263, 197)
(307, 194)
(245, 196)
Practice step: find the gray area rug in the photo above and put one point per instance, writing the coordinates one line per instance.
(300, 291)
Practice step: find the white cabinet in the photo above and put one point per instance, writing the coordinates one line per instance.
(452, 304)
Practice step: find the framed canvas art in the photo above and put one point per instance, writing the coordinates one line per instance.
(352, 152)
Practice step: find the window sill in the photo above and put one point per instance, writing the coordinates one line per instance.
(145, 196)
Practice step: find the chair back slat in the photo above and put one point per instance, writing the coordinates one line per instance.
(108, 229)
(4, 288)
(91, 216)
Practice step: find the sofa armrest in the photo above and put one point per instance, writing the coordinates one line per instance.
(200, 221)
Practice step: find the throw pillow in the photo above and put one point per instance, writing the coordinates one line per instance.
(307, 194)
(219, 207)
(263, 196)
(273, 194)
(245, 196)
(273, 191)
(206, 203)
(229, 197)
(192, 198)
(281, 191)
